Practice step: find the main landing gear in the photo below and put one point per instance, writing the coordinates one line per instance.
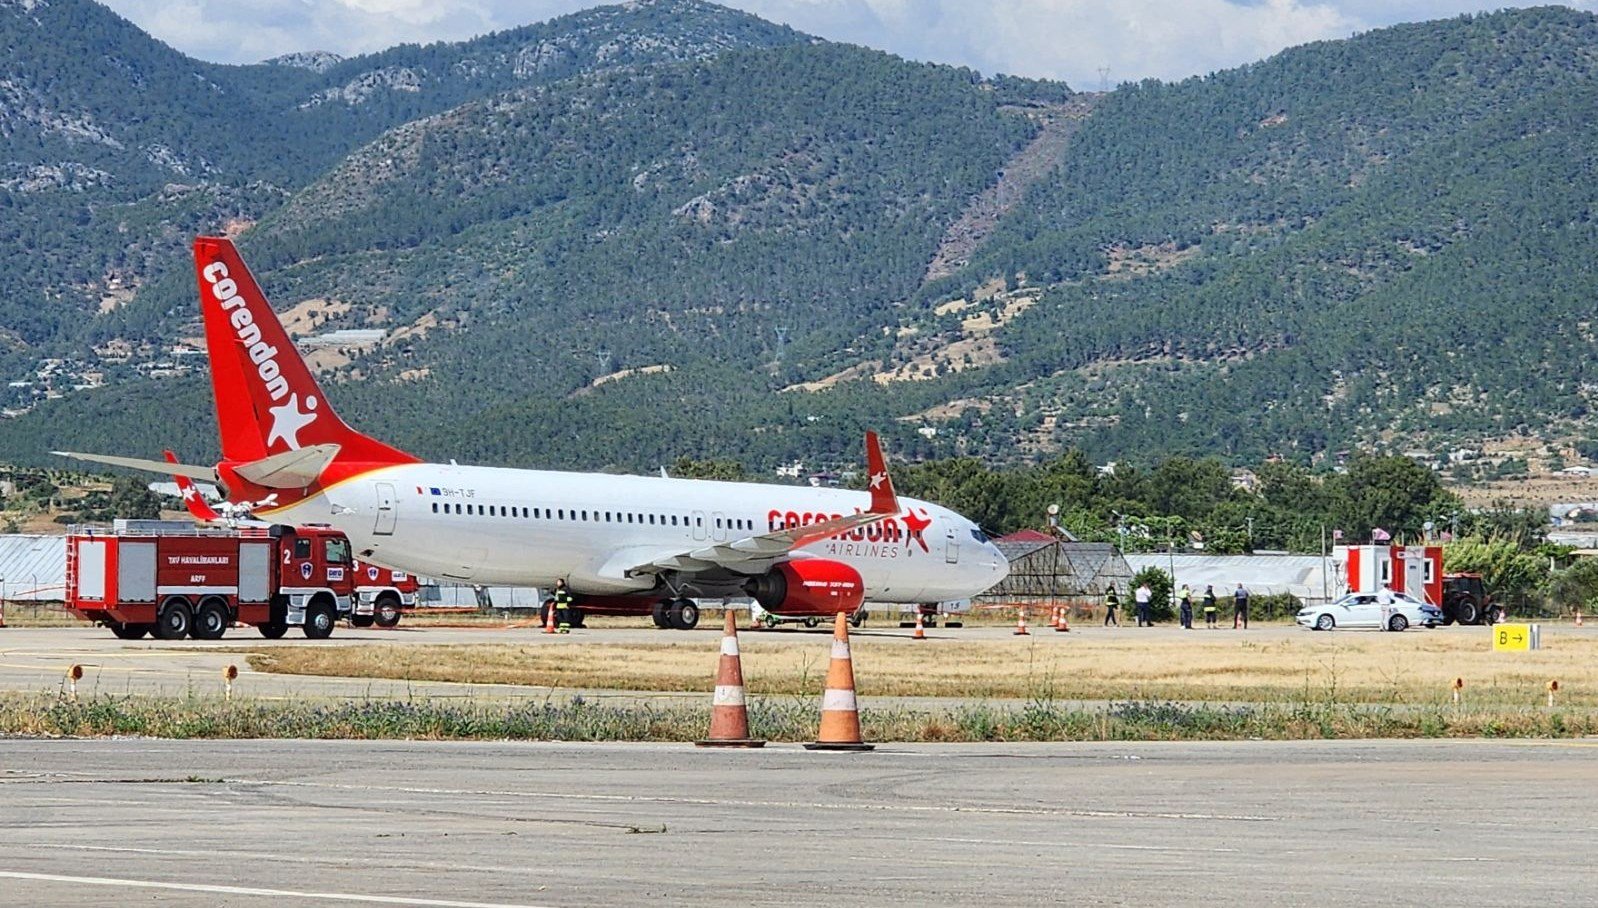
(681, 613)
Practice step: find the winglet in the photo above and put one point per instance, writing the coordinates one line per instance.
(198, 509)
(883, 501)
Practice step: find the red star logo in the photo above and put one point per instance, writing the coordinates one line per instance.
(914, 525)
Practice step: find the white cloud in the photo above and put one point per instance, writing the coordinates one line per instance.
(1062, 39)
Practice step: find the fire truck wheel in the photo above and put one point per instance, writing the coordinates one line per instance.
(361, 620)
(130, 631)
(210, 621)
(387, 611)
(812, 621)
(319, 619)
(272, 630)
(174, 619)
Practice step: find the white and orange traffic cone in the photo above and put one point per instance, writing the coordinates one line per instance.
(1020, 624)
(1064, 624)
(549, 621)
(729, 716)
(840, 713)
(921, 628)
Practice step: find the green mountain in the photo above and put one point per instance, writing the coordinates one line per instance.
(669, 229)
(115, 149)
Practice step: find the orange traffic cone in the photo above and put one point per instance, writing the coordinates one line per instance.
(1020, 624)
(729, 717)
(921, 629)
(549, 622)
(840, 714)
(1064, 624)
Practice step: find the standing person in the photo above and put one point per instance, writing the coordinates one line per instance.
(1240, 608)
(563, 606)
(1185, 599)
(1143, 595)
(1209, 605)
(1112, 604)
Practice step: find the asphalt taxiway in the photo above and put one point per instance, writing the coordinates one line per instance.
(106, 822)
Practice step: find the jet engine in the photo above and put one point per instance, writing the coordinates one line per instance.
(814, 586)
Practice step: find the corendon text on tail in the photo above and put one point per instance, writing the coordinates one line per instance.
(623, 543)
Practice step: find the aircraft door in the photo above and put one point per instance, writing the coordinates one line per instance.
(951, 551)
(385, 509)
(698, 518)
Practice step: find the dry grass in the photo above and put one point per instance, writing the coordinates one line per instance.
(1411, 668)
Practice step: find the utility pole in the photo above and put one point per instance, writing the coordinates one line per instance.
(1104, 78)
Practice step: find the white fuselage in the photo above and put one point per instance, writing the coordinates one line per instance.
(496, 526)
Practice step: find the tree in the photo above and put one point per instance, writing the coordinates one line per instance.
(132, 499)
(1160, 588)
(1387, 492)
(1575, 586)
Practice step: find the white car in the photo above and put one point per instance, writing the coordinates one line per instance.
(1367, 610)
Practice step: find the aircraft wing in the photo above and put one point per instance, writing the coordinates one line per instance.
(754, 554)
(288, 470)
(148, 466)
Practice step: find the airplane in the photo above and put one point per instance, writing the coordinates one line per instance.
(638, 545)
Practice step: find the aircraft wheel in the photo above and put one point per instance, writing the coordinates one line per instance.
(272, 630)
(662, 614)
(857, 619)
(684, 615)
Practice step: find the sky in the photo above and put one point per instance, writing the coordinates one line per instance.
(1073, 40)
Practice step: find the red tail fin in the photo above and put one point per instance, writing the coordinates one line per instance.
(883, 500)
(267, 401)
(198, 509)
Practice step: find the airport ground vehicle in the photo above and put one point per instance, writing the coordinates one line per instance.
(1465, 601)
(1385, 610)
(197, 581)
(380, 594)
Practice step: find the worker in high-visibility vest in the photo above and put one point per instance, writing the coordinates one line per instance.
(563, 607)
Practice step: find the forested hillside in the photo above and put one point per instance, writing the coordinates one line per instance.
(668, 228)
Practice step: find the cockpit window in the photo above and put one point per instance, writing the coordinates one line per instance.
(978, 535)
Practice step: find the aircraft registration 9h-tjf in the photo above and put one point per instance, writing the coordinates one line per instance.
(624, 544)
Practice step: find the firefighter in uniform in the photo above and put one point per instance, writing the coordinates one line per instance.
(563, 607)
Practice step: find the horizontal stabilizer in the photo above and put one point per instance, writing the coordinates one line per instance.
(149, 466)
(290, 469)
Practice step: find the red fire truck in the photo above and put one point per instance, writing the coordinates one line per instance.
(197, 581)
(380, 593)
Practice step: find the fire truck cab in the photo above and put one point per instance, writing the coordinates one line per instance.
(381, 594)
(173, 582)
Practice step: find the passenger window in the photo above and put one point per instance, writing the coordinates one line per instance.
(674, 520)
(435, 507)
(651, 520)
(585, 515)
